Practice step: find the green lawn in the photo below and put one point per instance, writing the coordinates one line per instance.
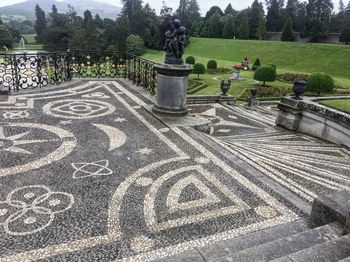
(341, 104)
(30, 47)
(288, 57)
(30, 38)
(333, 59)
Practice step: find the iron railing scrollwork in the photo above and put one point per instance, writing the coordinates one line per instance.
(36, 70)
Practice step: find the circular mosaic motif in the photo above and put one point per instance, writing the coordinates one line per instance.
(78, 109)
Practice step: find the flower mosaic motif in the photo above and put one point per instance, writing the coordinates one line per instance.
(78, 109)
(30, 209)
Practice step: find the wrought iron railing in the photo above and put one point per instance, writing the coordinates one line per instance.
(36, 70)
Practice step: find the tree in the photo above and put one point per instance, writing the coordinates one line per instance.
(1, 22)
(40, 23)
(345, 34)
(229, 30)
(215, 26)
(214, 9)
(341, 6)
(59, 32)
(255, 20)
(320, 83)
(256, 64)
(182, 12)
(135, 45)
(243, 32)
(287, 32)
(273, 16)
(194, 11)
(300, 20)
(6, 39)
(265, 74)
(134, 11)
(188, 12)
(318, 14)
(198, 69)
(229, 10)
(122, 32)
(291, 10)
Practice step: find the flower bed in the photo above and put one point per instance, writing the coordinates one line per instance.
(290, 77)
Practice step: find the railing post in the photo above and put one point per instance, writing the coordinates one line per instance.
(134, 70)
(38, 67)
(68, 57)
(153, 82)
(16, 73)
(55, 67)
(145, 76)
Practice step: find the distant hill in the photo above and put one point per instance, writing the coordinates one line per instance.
(26, 9)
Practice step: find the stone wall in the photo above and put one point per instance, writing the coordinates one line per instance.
(331, 38)
(309, 117)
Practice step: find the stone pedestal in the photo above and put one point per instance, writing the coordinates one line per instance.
(289, 115)
(172, 86)
(253, 102)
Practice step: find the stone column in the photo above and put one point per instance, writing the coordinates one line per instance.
(172, 81)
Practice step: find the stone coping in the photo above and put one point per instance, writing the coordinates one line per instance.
(311, 105)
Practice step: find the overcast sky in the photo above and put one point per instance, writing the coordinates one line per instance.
(156, 4)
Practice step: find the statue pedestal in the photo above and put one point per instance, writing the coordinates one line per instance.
(172, 86)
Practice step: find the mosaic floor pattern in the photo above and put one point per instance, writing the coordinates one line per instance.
(88, 174)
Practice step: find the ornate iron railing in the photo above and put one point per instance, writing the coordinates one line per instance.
(36, 70)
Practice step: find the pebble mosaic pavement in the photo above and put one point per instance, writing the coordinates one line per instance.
(88, 174)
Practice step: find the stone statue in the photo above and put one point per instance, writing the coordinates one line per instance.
(175, 43)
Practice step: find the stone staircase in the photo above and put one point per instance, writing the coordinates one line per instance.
(323, 237)
(294, 241)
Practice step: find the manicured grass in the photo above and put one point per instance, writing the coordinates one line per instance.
(31, 47)
(341, 104)
(288, 57)
(30, 38)
(333, 59)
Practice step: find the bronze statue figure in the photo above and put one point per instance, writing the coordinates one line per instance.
(175, 44)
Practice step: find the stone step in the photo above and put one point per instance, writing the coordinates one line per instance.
(347, 259)
(335, 250)
(286, 245)
(231, 246)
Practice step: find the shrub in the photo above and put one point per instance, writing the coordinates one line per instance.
(198, 69)
(265, 74)
(256, 64)
(290, 77)
(274, 66)
(320, 83)
(223, 70)
(135, 45)
(212, 65)
(190, 60)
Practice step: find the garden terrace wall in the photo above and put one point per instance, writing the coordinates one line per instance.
(309, 117)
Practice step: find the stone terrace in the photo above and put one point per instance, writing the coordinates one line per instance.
(87, 173)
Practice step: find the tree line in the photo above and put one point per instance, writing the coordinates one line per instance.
(138, 26)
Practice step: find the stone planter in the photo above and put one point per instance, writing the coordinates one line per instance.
(225, 86)
(253, 92)
(299, 87)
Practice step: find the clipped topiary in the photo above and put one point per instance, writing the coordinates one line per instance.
(274, 66)
(256, 64)
(212, 65)
(266, 74)
(198, 69)
(320, 83)
(190, 60)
